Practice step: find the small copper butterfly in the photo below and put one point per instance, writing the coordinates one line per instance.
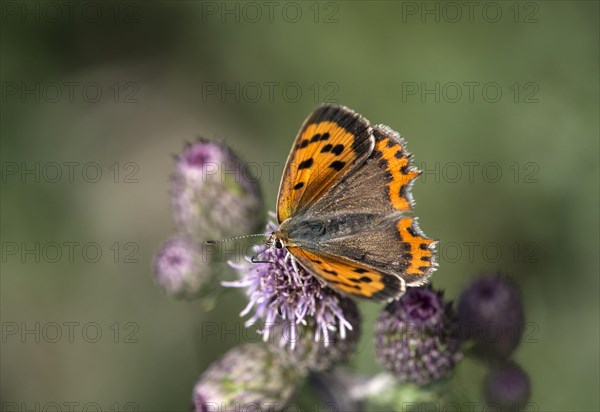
(342, 207)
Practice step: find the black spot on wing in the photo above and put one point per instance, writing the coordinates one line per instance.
(338, 149)
(306, 164)
(403, 191)
(326, 148)
(348, 285)
(411, 230)
(348, 120)
(364, 279)
(299, 185)
(391, 288)
(337, 165)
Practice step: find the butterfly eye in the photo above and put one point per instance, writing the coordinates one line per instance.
(278, 244)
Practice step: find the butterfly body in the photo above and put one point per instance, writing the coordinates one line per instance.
(343, 203)
(314, 232)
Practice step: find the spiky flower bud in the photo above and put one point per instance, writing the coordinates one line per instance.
(181, 270)
(507, 387)
(305, 352)
(214, 193)
(416, 337)
(490, 312)
(248, 377)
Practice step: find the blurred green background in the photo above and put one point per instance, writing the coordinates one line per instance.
(249, 74)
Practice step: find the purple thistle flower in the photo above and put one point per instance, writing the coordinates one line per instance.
(248, 377)
(307, 354)
(490, 312)
(277, 292)
(213, 193)
(180, 269)
(507, 386)
(200, 160)
(416, 337)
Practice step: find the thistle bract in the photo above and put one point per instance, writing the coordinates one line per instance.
(490, 312)
(180, 269)
(306, 352)
(416, 337)
(214, 194)
(248, 377)
(507, 386)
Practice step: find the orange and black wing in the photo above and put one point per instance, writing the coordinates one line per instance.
(349, 277)
(381, 185)
(388, 256)
(333, 141)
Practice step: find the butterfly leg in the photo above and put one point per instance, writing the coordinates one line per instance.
(296, 274)
(289, 274)
(294, 263)
(254, 259)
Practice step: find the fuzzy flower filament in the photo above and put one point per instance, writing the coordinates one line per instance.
(280, 290)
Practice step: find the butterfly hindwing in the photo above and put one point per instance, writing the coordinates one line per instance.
(395, 244)
(333, 141)
(348, 277)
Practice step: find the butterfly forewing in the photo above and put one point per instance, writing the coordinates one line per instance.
(350, 277)
(333, 141)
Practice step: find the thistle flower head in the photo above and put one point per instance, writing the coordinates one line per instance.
(213, 193)
(308, 354)
(280, 289)
(415, 337)
(507, 386)
(490, 312)
(200, 160)
(180, 269)
(248, 377)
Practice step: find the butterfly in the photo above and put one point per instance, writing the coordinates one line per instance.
(343, 206)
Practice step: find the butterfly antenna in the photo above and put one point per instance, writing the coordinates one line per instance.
(214, 242)
(254, 258)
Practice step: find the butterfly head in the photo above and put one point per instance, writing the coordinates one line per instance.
(278, 239)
